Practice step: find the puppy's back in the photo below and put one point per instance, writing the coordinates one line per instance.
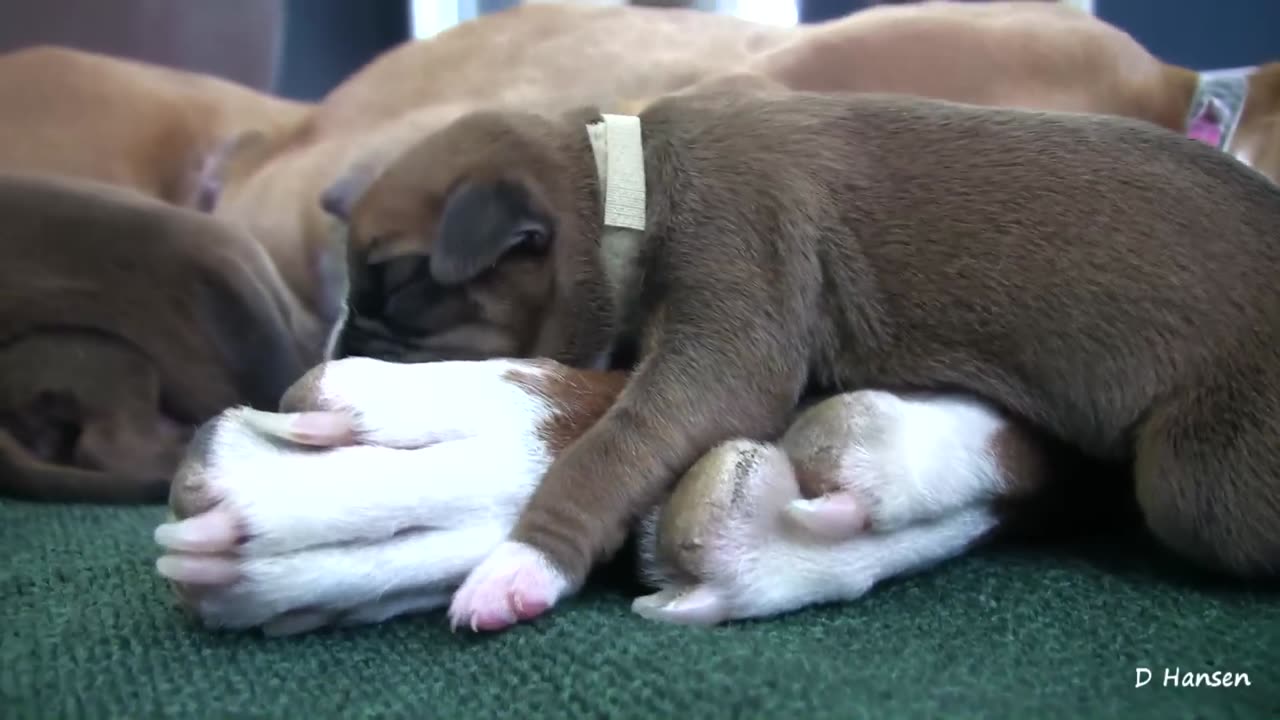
(952, 239)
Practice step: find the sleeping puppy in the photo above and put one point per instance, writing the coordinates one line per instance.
(538, 56)
(73, 113)
(1034, 55)
(747, 247)
(752, 530)
(124, 323)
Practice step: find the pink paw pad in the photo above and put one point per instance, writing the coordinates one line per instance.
(515, 583)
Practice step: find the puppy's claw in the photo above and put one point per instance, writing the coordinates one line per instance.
(210, 532)
(198, 569)
(700, 605)
(837, 516)
(319, 428)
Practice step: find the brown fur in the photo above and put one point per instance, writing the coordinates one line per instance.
(1032, 55)
(1035, 55)
(163, 132)
(88, 115)
(587, 394)
(124, 323)
(1100, 279)
(538, 56)
(1020, 54)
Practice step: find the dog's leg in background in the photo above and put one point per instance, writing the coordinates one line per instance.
(912, 481)
(1208, 473)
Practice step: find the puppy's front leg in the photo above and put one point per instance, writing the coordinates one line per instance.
(676, 407)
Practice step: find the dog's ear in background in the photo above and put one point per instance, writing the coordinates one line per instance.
(230, 161)
(341, 196)
(481, 223)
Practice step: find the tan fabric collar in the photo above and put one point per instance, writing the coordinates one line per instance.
(619, 155)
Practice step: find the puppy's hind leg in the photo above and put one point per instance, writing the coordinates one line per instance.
(1208, 474)
(911, 481)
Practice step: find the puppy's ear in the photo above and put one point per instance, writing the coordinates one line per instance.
(340, 198)
(481, 223)
(231, 159)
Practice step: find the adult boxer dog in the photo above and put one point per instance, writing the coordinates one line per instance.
(793, 241)
(124, 323)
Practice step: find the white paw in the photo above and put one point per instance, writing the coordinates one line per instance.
(271, 529)
(880, 461)
(710, 546)
(514, 583)
(724, 547)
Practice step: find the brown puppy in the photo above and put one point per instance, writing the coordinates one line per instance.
(1018, 54)
(1101, 279)
(124, 323)
(538, 57)
(81, 114)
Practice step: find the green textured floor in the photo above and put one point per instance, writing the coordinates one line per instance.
(88, 631)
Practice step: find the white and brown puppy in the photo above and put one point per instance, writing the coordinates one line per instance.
(431, 464)
(746, 247)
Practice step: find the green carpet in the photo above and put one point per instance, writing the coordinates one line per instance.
(87, 630)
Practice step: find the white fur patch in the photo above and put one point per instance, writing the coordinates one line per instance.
(930, 455)
(457, 454)
(922, 464)
(453, 454)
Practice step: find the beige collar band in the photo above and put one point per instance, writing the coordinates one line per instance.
(619, 155)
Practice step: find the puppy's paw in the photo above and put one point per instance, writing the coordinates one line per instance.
(724, 547)
(517, 582)
(412, 405)
(242, 493)
(711, 547)
(332, 585)
(873, 460)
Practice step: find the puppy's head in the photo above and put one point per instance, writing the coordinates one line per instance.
(474, 243)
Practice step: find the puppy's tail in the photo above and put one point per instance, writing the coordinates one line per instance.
(27, 477)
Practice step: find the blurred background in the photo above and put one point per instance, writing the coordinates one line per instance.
(303, 48)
